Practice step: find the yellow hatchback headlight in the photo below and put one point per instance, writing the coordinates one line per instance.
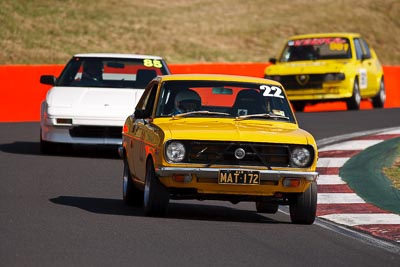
(329, 77)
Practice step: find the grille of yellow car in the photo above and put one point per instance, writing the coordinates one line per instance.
(223, 153)
(313, 81)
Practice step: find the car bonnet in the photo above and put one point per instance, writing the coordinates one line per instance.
(234, 130)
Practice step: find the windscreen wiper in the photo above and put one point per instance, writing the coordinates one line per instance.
(201, 112)
(262, 115)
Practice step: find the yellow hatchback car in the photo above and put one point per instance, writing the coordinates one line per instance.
(329, 67)
(218, 137)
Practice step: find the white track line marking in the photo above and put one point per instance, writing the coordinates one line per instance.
(330, 180)
(339, 198)
(331, 162)
(351, 145)
(363, 219)
(395, 131)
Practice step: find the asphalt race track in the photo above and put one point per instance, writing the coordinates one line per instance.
(66, 210)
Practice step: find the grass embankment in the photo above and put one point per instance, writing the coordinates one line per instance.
(49, 32)
(393, 172)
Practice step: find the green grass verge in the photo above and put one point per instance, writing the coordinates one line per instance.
(49, 32)
(364, 174)
(393, 172)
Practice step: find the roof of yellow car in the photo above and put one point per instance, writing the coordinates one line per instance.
(332, 34)
(216, 77)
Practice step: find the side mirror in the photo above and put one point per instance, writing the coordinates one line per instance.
(272, 60)
(365, 56)
(48, 79)
(139, 114)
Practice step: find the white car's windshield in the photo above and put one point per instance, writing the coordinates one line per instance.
(180, 99)
(111, 72)
(316, 48)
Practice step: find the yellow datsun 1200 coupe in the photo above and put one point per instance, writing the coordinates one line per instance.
(329, 67)
(218, 137)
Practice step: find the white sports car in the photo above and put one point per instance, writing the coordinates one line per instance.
(90, 100)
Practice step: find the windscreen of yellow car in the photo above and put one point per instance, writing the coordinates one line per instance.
(223, 99)
(316, 49)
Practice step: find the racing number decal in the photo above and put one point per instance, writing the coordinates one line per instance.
(152, 63)
(273, 91)
(338, 46)
(363, 79)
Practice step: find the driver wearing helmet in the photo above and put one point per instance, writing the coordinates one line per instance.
(187, 101)
(92, 72)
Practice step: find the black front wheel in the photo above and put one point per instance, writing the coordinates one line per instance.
(130, 194)
(46, 147)
(303, 208)
(353, 103)
(299, 106)
(156, 196)
(379, 100)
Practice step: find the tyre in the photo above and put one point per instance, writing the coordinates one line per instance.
(156, 196)
(130, 194)
(353, 103)
(47, 148)
(299, 106)
(264, 207)
(379, 100)
(303, 210)
(53, 148)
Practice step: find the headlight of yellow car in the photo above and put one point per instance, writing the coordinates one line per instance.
(273, 77)
(300, 157)
(334, 77)
(175, 152)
